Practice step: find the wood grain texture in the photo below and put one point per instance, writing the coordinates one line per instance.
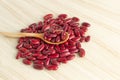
(102, 60)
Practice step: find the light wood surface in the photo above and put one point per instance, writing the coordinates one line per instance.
(102, 60)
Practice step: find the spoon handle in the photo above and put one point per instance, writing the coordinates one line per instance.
(17, 35)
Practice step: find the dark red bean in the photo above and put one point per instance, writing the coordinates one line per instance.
(45, 27)
(57, 48)
(70, 42)
(26, 61)
(81, 52)
(18, 55)
(82, 39)
(47, 61)
(87, 38)
(34, 41)
(77, 33)
(54, 62)
(64, 50)
(24, 50)
(63, 36)
(64, 54)
(31, 58)
(42, 57)
(70, 57)
(41, 47)
(75, 39)
(38, 62)
(75, 19)
(68, 20)
(54, 55)
(85, 24)
(78, 45)
(19, 45)
(57, 39)
(27, 54)
(73, 50)
(52, 67)
(28, 46)
(48, 16)
(51, 46)
(62, 59)
(38, 66)
(33, 25)
(63, 16)
(71, 36)
(36, 55)
(21, 40)
(71, 47)
(62, 46)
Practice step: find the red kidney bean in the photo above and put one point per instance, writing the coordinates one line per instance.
(73, 50)
(57, 39)
(68, 20)
(24, 50)
(21, 40)
(18, 55)
(27, 54)
(47, 61)
(32, 25)
(87, 38)
(31, 58)
(64, 50)
(19, 45)
(38, 62)
(63, 36)
(54, 62)
(38, 66)
(45, 27)
(63, 16)
(85, 24)
(70, 57)
(41, 47)
(28, 46)
(26, 61)
(48, 16)
(71, 47)
(36, 54)
(62, 59)
(52, 67)
(81, 52)
(75, 19)
(78, 45)
(71, 42)
(44, 55)
(62, 46)
(34, 41)
(82, 39)
(54, 55)
(77, 33)
(75, 39)
(51, 46)
(64, 54)
(57, 48)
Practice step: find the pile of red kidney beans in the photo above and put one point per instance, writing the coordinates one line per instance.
(41, 55)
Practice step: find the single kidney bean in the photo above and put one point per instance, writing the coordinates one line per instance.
(81, 52)
(26, 61)
(38, 66)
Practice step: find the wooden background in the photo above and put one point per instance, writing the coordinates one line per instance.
(102, 60)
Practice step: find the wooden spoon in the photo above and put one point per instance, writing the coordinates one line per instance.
(37, 35)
